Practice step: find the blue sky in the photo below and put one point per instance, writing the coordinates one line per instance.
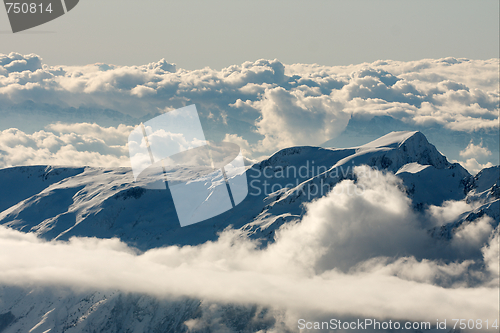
(220, 33)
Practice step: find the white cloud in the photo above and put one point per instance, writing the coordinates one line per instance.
(333, 236)
(473, 235)
(242, 143)
(491, 253)
(475, 151)
(69, 145)
(142, 91)
(351, 255)
(15, 62)
(285, 114)
(473, 166)
(448, 212)
(111, 135)
(423, 271)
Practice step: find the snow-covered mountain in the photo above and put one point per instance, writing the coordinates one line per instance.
(57, 203)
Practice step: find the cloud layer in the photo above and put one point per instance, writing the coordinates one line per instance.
(361, 256)
(265, 105)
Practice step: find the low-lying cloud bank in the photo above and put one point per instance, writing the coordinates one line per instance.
(363, 256)
(263, 105)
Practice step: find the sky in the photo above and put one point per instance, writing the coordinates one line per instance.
(220, 33)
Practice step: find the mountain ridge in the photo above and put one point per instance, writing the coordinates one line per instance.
(107, 203)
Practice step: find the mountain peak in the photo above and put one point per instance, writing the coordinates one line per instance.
(413, 144)
(396, 139)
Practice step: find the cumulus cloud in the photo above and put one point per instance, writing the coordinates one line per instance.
(269, 104)
(351, 255)
(476, 157)
(15, 62)
(70, 145)
(475, 151)
(473, 166)
(340, 239)
(284, 115)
